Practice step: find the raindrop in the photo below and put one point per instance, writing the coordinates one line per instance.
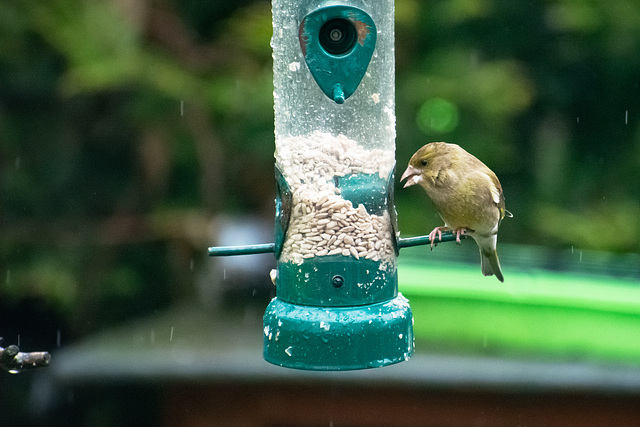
(182, 108)
(191, 264)
(58, 338)
(626, 117)
(294, 66)
(171, 335)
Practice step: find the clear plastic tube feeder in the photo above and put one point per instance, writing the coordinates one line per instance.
(337, 305)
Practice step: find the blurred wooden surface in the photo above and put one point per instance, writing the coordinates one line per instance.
(327, 405)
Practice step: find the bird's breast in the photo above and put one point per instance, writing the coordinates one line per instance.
(464, 206)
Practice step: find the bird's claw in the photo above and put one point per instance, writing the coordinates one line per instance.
(437, 232)
(432, 236)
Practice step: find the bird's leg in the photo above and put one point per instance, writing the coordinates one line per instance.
(460, 232)
(436, 231)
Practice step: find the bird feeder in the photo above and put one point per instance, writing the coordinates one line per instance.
(337, 304)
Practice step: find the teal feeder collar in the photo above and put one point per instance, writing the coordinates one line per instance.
(334, 281)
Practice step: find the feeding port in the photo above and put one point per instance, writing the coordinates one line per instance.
(339, 198)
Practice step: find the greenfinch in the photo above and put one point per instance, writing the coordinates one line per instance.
(466, 194)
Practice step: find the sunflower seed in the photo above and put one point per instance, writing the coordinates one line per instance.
(354, 252)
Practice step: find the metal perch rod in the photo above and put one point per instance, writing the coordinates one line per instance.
(264, 248)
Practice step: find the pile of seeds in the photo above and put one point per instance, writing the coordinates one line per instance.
(322, 222)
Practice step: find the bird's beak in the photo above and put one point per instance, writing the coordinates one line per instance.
(414, 176)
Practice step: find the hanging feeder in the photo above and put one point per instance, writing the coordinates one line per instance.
(337, 304)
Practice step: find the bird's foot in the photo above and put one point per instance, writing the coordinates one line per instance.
(436, 232)
(460, 232)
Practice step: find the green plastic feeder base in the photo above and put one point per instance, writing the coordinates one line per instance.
(338, 338)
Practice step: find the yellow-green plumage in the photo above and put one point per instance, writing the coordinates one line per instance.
(466, 193)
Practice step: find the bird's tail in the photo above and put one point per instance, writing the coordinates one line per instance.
(489, 256)
(490, 263)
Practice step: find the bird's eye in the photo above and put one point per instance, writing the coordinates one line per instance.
(424, 162)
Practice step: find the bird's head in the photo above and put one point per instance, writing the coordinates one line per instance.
(426, 162)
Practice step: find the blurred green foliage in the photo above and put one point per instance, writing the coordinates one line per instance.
(126, 125)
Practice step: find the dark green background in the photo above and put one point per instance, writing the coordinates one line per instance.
(126, 126)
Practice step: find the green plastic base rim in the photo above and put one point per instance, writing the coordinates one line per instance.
(338, 338)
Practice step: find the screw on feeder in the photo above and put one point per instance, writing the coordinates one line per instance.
(337, 281)
(335, 35)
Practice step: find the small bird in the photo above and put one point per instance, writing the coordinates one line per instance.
(466, 194)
